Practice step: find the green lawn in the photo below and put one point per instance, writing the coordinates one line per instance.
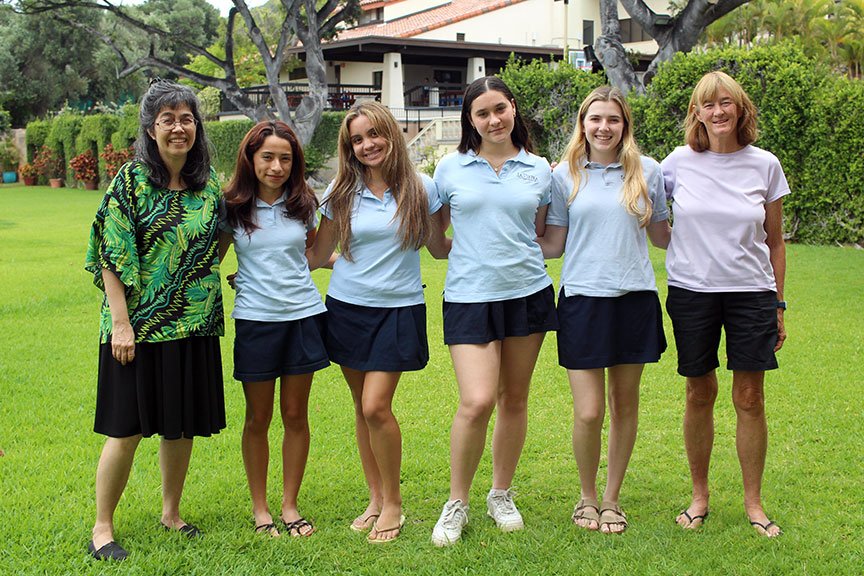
(48, 346)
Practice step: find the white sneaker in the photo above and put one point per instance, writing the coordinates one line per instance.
(500, 506)
(448, 529)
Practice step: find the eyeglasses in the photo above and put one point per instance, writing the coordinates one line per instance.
(168, 125)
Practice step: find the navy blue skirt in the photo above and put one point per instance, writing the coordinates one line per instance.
(266, 350)
(600, 332)
(368, 338)
(173, 389)
(482, 322)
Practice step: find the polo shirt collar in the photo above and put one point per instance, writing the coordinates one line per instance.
(262, 204)
(597, 166)
(523, 157)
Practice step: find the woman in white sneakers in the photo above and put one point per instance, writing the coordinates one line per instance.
(498, 299)
(605, 198)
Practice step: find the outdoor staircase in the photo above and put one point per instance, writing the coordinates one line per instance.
(439, 137)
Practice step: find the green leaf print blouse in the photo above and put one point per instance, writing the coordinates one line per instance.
(162, 245)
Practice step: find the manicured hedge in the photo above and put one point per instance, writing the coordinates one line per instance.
(95, 134)
(225, 137)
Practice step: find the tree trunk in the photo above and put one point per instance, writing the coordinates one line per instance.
(610, 51)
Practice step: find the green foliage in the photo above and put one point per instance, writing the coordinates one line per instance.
(9, 155)
(5, 120)
(323, 145)
(35, 134)
(211, 102)
(127, 128)
(226, 137)
(829, 206)
(548, 99)
(95, 134)
(61, 138)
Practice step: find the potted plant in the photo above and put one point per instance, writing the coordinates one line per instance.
(115, 158)
(49, 166)
(8, 161)
(85, 167)
(29, 174)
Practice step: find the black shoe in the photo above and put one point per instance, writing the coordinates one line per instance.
(110, 551)
(189, 530)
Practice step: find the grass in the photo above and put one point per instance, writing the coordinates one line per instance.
(48, 345)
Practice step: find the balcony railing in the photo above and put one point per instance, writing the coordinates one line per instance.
(339, 96)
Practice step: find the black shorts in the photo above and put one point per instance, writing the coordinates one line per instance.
(482, 322)
(173, 389)
(266, 350)
(748, 318)
(369, 338)
(600, 332)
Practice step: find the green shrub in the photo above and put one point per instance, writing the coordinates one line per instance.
(548, 99)
(127, 127)
(95, 134)
(35, 134)
(323, 146)
(226, 137)
(61, 138)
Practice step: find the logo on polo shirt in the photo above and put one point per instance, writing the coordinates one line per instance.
(528, 177)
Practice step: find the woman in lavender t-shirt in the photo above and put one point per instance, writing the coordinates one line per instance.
(726, 264)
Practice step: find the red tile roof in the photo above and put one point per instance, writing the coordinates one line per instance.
(414, 24)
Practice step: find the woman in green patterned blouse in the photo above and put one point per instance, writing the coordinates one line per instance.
(153, 250)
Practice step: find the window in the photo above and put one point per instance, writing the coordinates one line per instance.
(632, 32)
(447, 76)
(460, 37)
(377, 79)
(587, 32)
(298, 73)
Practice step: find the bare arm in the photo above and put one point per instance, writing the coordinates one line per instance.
(777, 248)
(320, 253)
(122, 335)
(660, 233)
(439, 244)
(540, 220)
(552, 241)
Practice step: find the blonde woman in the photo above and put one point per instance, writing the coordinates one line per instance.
(605, 197)
(726, 266)
(379, 211)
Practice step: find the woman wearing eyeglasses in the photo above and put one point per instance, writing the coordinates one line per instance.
(153, 250)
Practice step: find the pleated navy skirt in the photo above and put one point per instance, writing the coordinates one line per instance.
(172, 389)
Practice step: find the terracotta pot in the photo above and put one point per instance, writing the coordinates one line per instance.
(29, 180)
(90, 184)
(56, 182)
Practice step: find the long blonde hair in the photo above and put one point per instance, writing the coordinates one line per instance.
(412, 202)
(634, 192)
(706, 90)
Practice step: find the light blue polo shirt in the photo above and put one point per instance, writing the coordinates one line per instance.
(606, 252)
(273, 281)
(381, 274)
(494, 255)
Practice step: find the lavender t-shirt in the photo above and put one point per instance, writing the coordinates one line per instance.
(718, 206)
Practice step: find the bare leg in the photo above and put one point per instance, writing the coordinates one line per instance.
(698, 440)
(386, 441)
(294, 405)
(255, 445)
(518, 357)
(174, 458)
(112, 473)
(477, 367)
(589, 405)
(364, 521)
(623, 423)
(751, 440)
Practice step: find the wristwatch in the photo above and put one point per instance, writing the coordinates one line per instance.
(781, 304)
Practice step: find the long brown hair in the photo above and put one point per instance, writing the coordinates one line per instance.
(242, 190)
(706, 90)
(634, 192)
(412, 202)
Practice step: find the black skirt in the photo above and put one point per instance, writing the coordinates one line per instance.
(381, 339)
(173, 389)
